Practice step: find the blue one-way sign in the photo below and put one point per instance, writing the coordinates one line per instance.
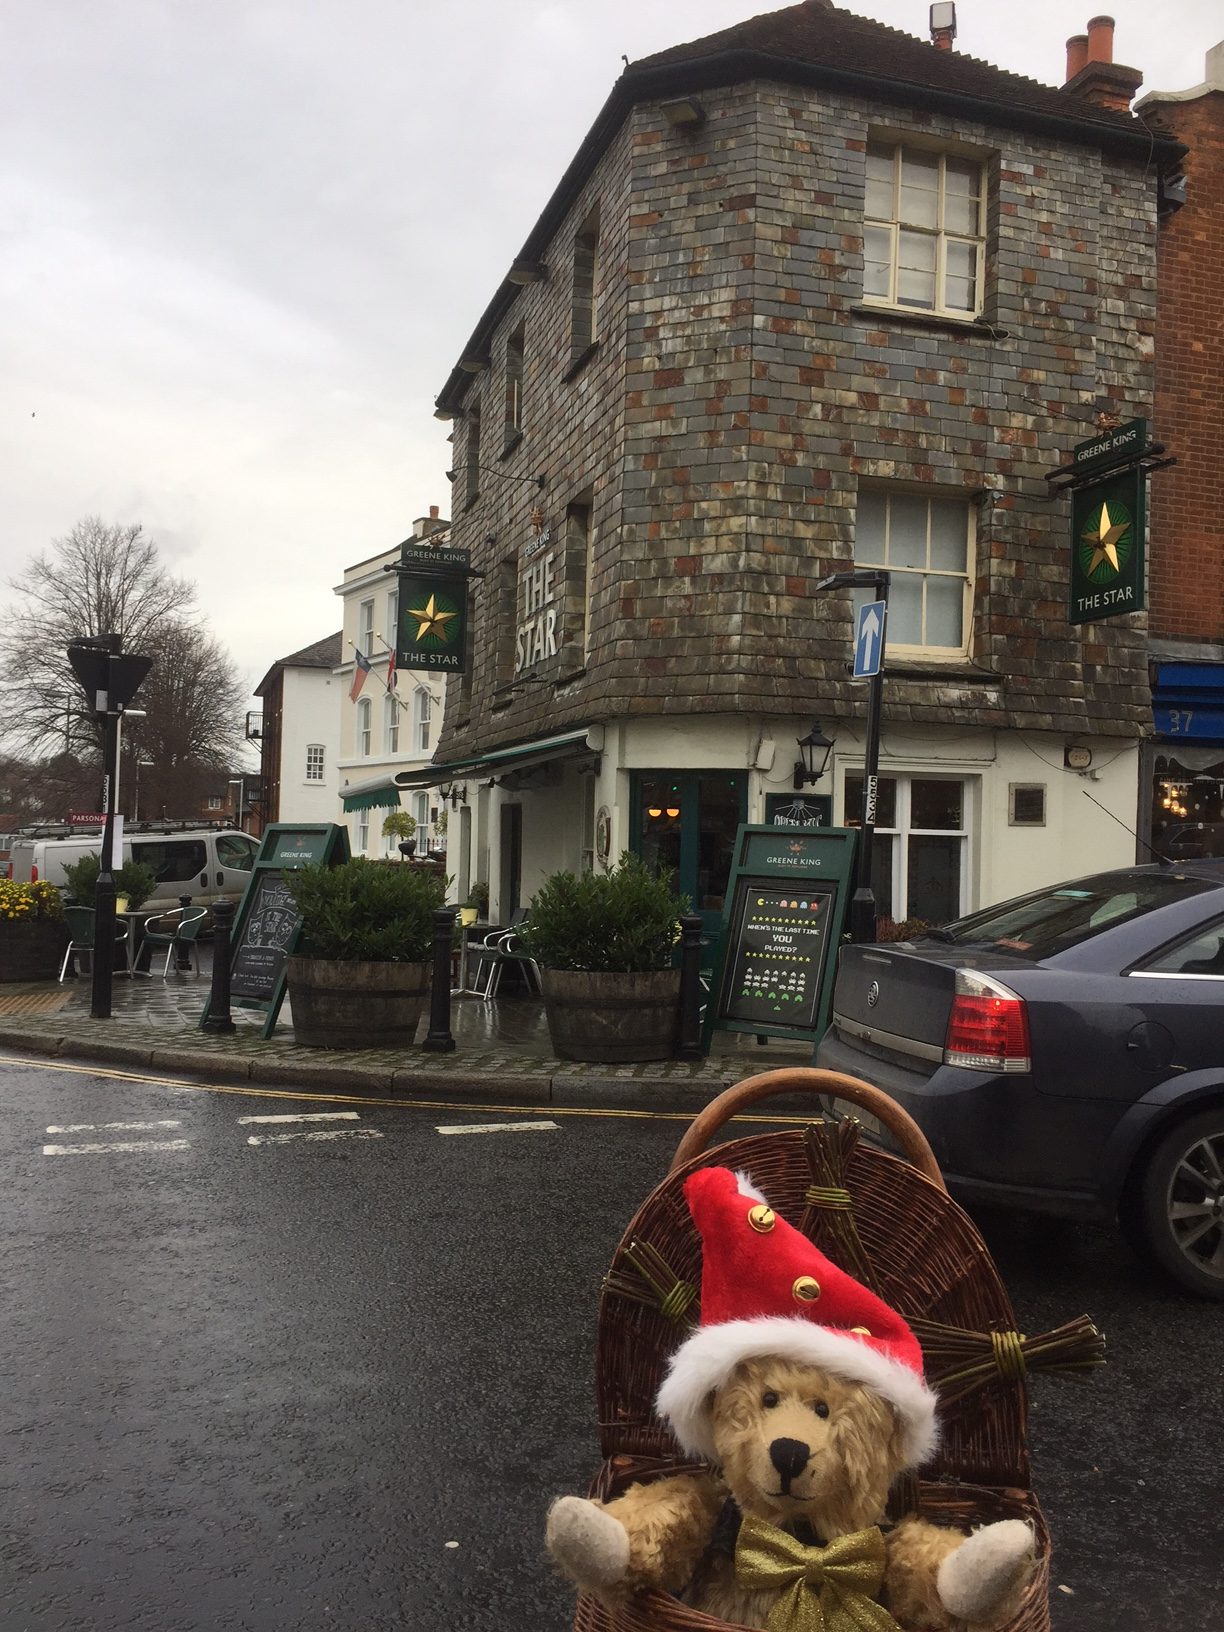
(869, 639)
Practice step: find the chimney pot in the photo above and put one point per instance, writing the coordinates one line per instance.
(1077, 54)
(1100, 39)
(433, 512)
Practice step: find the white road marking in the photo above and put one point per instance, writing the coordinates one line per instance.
(108, 1127)
(304, 1116)
(328, 1133)
(497, 1127)
(134, 1146)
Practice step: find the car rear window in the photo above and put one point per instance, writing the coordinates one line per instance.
(1039, 925)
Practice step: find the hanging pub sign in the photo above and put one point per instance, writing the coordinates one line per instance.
(1107, 546)
(777, 951)
(433, 608)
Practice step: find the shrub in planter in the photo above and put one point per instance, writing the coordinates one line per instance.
(33, 934)
(361, 975)
(133, 880)
(605, 943)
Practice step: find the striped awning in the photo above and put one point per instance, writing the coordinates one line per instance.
(380, 793)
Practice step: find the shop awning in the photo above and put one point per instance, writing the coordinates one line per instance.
(380, 793)
(499, 761)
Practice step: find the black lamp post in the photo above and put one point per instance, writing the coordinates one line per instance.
(814, 750)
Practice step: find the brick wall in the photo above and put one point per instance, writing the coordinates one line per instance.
(1187, 501)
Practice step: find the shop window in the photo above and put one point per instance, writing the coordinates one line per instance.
(1026, 804)
(925, 543)
(923, 230)
(918, 858)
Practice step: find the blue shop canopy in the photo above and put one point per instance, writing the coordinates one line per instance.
(1188, 701)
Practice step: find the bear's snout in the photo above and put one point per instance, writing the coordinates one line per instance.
(790, 1457)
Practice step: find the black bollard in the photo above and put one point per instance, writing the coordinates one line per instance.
(217, 1014)
(182, 956)
(689, 1045)
(439, 1039)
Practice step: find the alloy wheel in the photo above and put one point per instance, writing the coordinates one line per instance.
(1194, 1203)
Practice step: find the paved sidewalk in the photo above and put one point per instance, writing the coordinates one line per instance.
(503, 1054)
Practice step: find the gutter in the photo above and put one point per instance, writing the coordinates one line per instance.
(734, 67)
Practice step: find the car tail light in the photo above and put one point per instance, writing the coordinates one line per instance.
(988, 1026)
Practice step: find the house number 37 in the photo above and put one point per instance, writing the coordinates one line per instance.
(1179, 721)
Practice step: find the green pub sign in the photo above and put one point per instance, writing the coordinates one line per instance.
(433, 609)
(1107, 547)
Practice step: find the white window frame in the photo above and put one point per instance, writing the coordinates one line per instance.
(893, 226)
(902, 832)
(365, 628)
(363, 832)
(391, 728)
(422, 719)
(364, 734)
(421, 812)
(316, 762)
(215, 801)
(392, 618)
(889, 491)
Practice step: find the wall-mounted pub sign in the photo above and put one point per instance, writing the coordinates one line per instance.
(433, 608)
(1108, 523)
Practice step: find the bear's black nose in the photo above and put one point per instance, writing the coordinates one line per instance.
(790, 1457)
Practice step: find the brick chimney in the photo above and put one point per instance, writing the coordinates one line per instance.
(1093, 74)
(432, 523)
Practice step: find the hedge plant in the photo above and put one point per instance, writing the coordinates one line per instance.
(133, 879)
(365, 912)
(624, 921)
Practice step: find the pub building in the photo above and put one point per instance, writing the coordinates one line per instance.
(813, 294)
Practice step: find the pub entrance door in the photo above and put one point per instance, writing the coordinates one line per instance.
(687, 822)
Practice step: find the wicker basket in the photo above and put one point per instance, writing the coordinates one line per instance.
(894, 1226)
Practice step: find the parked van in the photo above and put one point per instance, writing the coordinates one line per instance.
(204, 863)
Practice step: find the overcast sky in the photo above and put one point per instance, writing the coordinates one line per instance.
(243, 241)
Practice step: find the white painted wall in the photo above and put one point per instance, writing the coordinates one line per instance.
(310, 713)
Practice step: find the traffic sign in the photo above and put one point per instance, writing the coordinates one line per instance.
(869, 639)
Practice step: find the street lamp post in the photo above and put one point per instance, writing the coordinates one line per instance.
(141, 764)
(239, 782)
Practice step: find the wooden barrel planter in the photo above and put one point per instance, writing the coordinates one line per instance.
(612, 1018)
(33, 950)
(340, 1004)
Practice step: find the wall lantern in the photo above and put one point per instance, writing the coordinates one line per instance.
(815, 749)
(673, 811)
(456, 792)
(685, 114)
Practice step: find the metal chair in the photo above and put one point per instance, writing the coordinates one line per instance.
(80, 921)
(492, 956)
(181, 936)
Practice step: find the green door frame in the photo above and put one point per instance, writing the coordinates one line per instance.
(688, 787)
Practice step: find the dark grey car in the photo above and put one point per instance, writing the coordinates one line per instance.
(1064, 1052)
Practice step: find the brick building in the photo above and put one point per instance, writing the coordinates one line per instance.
(1184, 762)
(811, 294)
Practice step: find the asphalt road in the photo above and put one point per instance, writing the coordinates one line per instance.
(335, 1381)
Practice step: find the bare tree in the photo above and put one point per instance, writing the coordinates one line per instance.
(99, 579)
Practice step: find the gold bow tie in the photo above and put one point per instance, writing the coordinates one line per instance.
(823, 1589)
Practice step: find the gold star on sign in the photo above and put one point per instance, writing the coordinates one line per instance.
(430, 620)
(1105, 541)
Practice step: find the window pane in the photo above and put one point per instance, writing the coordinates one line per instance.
(933, 886)
(916, 269)
(886, 800)
(945, 612)
(719, 798)
(920, 188)
(961, 260)
(877, 261)
(869, 528)
(960, 295)
(949, 535)
(1204, 955)
(907, 545)
(936, 803)
(882, 874)
(962, 182)
(905, 610)
(659, 838)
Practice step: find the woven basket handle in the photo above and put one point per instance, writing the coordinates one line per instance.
(805, 1080)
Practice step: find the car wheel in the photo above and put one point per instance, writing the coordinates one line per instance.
(1181, 1204)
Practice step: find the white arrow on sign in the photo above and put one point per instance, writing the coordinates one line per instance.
(870, 639)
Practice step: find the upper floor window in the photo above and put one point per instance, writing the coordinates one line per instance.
(422, 719)
(923, 230)
(584, 313)
(365, 628)
(314, 762)
(925, 543)
(391, 723)
(514, 384)
(392, 619)
(363, 728)
(472, 477)
(214, 801)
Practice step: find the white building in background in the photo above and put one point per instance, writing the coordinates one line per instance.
(385, 728)
(300, 735)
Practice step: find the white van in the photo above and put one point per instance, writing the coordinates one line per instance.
(204, 863)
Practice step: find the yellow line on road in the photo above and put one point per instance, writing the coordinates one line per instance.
(381, 1099)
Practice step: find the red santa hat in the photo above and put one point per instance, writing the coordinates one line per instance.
(767, 1290)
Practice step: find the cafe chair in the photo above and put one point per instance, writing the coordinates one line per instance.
(80, 921)
(178, 934)
(492, 956)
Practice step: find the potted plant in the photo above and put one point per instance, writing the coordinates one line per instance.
(33, 934)
(605, 943)
(360, 977)
(477, 903)
(134, 882)
(398, 824)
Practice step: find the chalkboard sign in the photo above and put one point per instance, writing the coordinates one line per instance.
(266, 924)
(777, 952)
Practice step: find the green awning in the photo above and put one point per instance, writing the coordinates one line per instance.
(379, 794)
(522, 757)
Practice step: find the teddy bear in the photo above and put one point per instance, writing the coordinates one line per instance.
(804, 1394)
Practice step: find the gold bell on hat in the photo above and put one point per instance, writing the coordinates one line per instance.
(762, 1219)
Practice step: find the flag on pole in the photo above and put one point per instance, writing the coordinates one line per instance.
(359, 673)
(392, 671)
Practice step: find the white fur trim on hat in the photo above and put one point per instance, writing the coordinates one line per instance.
(705, 1361)
(747, 1188)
